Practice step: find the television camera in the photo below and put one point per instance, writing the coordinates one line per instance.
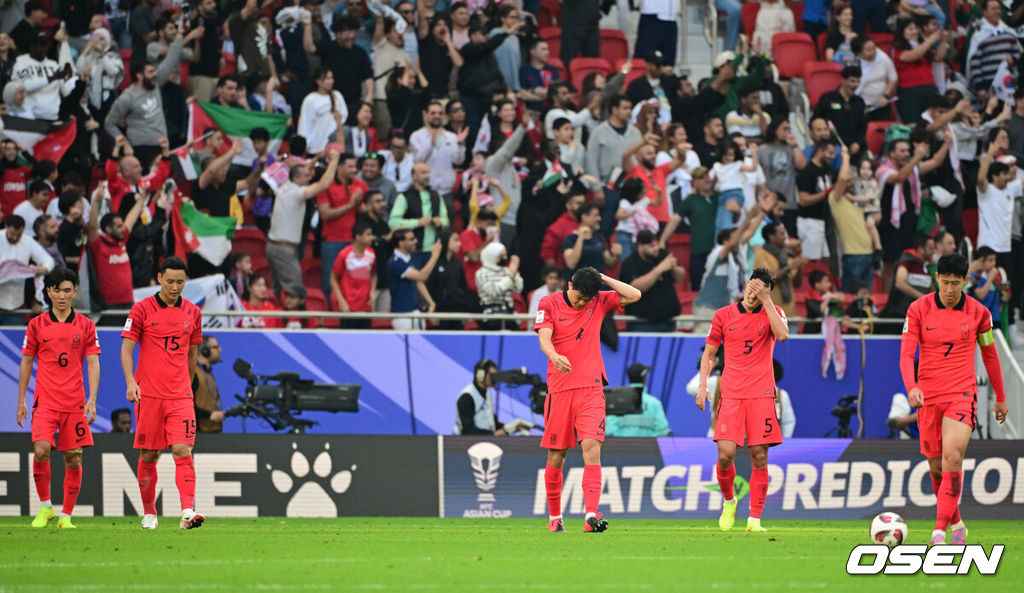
(278, 398)
(619, 401)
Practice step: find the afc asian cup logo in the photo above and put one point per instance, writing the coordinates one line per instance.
(485, 459)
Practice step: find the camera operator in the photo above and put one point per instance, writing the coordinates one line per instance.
(475, 407)
(650, 422)
(209, 412)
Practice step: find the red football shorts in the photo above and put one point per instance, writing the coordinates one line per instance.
(962, 408)
(72, 428)
(753, 418)
(160, 423)
(573, 415)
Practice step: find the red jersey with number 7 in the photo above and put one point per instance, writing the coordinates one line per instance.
(576, 335)
(749, 344)
(946, 338)
(165, 334)
(59, 348)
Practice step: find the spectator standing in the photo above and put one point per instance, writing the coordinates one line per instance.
(338, 207)
(496, 280)
(610, 139)
(167, 31)
(838, 43)
(376, 217)
(508, 55)
(700, 208)
(473, 240)
(654, 272)
(778, 157)
(998, 194)
(141, 106)
(783, 265)
(33, 207)
(70, 233)
(353, 276)
(287, 217)
(421, 210)
(440, 149)
(813, 184)
(585, 247)
(323, 113)
(42, 78)
(536, 76)
(253, 41)
(913, 68)
(29, 27)
(438, 55)
(371, 172)
(108, 243)
(447, 284)
(580, 29)
(774, 16)
(18, 247)
(350, 65)
(986, 285)
(480, 77)
(854, 239)
(749, 120)
(713, 134)
(725, 271)
(991, 43)
(398, 164)
(388, 55)
(846, 110)
(406, 281)
(911, 281)
(500, 166)
(101, 67)
(558, 231)
(203, 74)
(142, 26)
(878, 78)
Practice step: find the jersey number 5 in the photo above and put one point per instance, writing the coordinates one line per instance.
(171, 343)
(748, 346)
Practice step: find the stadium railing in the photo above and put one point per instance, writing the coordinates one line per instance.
(1013, 383)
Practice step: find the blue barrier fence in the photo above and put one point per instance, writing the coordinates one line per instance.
(410, 381)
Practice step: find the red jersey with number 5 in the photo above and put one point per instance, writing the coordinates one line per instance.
(576, 335)
(947, 339)
(749, 343)
(60, 348)
(164, 334)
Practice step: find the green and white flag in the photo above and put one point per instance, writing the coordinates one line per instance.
(195, 232)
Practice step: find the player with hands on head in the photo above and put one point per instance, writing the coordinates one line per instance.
(748, 330)
(60, 340)
(944, 326)
(568, 325)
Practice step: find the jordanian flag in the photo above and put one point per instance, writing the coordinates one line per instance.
(46, 139)
(236, 125)
(195, 232)
(554, 175)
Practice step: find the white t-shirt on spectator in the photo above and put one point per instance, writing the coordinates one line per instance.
(30, 213)
(995, 215)
(727, 176)
(750, 182)
(289, 210)
(316, 120)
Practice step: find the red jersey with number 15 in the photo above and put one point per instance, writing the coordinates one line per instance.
(749, 343)
(60, 348)
(947, 339)
(164, 334)
(576, 335)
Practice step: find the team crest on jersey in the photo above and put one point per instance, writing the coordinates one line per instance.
(590, 311)
(762, 328)
(76, 342)
(184, 326)
(965, 332)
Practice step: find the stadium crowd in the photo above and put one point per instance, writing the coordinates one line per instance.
(469, 156)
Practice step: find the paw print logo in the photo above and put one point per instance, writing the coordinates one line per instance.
(307, 486)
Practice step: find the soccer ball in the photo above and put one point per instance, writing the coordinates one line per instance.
(889, 529)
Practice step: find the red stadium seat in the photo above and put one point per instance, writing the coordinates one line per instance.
(311, 273)
(557, 64)
(251, 241)
(875, 136)
(791, 51)
(748, 16)
(549, 14)
(263, 269)
(820, 78)
(229, 63)
(553, 35)
(614, 46)
(822, 38)
(580, 67)
(679, 246)
(883, 41)
(970, 221)
(126, 61)
(798, 14)
(315, 301)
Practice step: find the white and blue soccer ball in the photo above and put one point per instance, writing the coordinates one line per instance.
(889, 529)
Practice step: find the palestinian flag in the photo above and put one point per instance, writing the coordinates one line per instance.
(46, 139)
(236, 125)
(554, 175)
(195, 232)
(185, 164)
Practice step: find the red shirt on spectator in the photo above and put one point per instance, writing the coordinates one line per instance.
(266, 322)
(354, 274)
(118, 187)
(551, 246)
(656, 176)
(113, 270)
(13, 188)
(336, 196)
(471, 240)
(911, 74)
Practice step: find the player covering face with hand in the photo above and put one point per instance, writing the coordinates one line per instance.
(568, 324)
(746, 409)
(944, 326)
(60, 340)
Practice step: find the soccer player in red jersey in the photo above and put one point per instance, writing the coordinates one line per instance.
(60, 339)
(568, 324)
(944, 326)
(168, 330)
(748, 330)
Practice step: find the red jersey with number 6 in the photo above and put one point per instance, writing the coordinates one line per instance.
(164, 334)
(947, 339)
(749, 343)
(60, 348)
(576, 335)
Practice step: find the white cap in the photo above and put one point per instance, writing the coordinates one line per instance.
(724, 58)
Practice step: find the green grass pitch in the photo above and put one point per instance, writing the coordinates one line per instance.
(449, 555)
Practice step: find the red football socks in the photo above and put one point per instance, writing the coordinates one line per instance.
(948, 499)
(553, 486)
(758, 491)
(41, 475)
(185, 480)
(147, 486)
(591, 487)
(726, 477)
(72, 485)
(936, 486)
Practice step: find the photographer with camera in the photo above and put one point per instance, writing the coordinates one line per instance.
(475, 412)
(650, 422)
(209, 410)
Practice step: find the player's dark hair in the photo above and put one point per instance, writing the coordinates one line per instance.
(763, 275)
(979, 253)
(586, 281)
(816, 276)
(58, 276)
(953, 264)
(172, 263)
